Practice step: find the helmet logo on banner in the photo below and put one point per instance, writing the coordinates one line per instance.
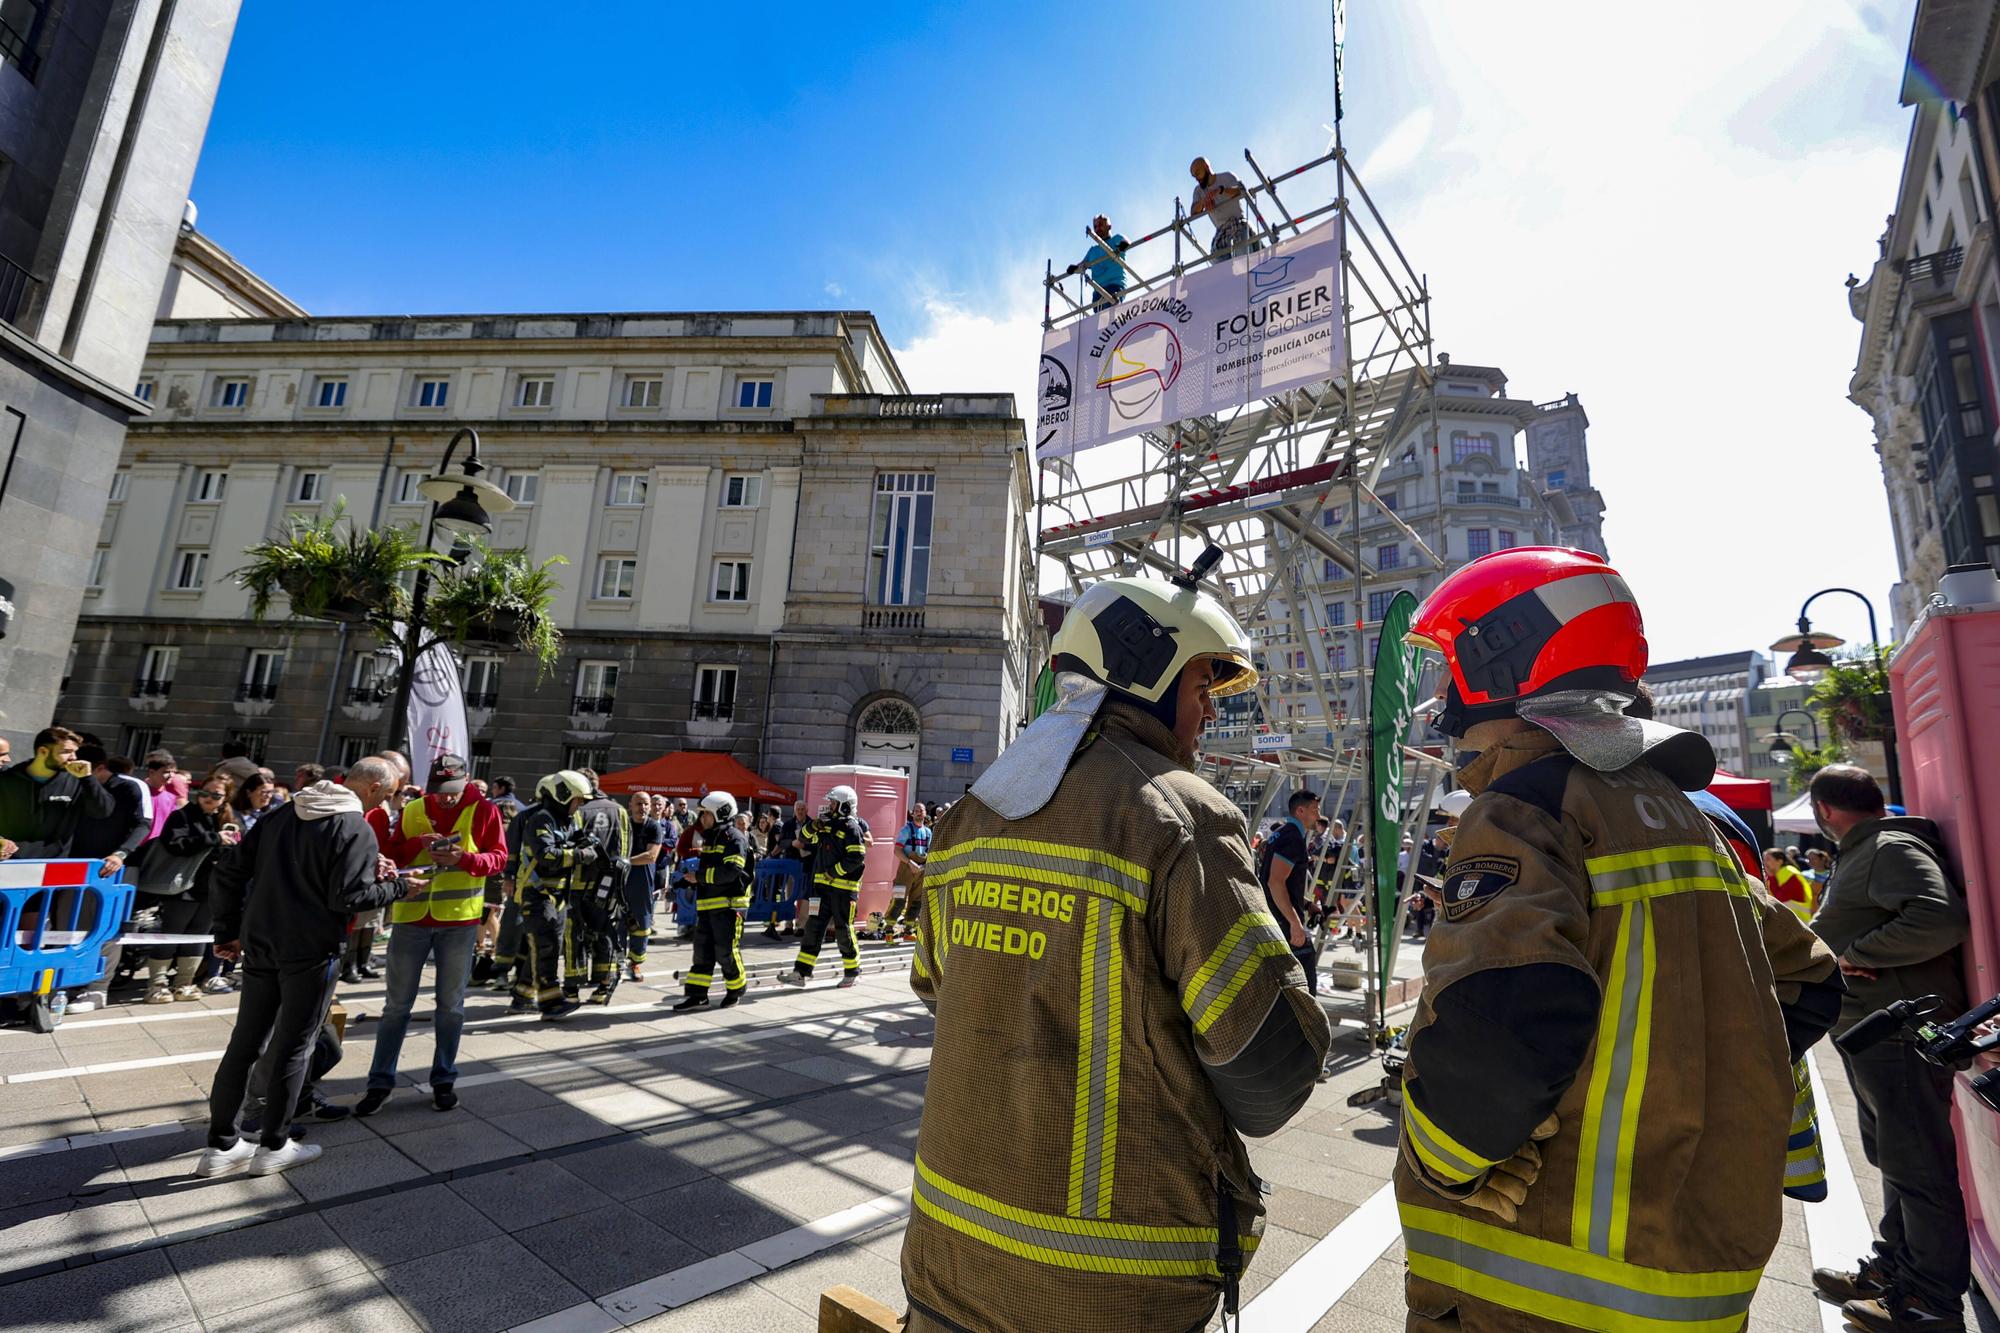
(1142, 366)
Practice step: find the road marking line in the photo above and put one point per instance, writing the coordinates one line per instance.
(1303, 1293)
(1837, 1229)
(98, 1139)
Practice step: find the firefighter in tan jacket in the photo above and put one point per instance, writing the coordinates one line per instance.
(1599, 1088)
(1115, 1004)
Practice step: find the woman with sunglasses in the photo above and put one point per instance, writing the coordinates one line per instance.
(200, 831)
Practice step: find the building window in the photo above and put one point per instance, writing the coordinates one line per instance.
(261, 671)
(596, 689)
(309, 487)
(1478, 542)
(230, 393)
(253, 742)
(1391, 500)
(1557, 479)
(1389, 557)
(642, 390)
(353, 749)
(330, 391)
(1464, 446)
(596, 758)
(140, 742)
(190, 570)
(1336, 613)
(628, 488)
(1378, 605)
(1505, 539)
(523, 487)
(480, 758)
(742, 490)
(1489, 488)
(120, 481)
(753, 393)
(156, 672)
(732, 581)
(615, 575)
(96, 579)
(208, 486)
(1336, 658)
(430, 393)
(144, 391)
(482, 682)
(715, 693)
(900, 550)
(406, 492)
(535, 391)
(373, 680)
(1330, 518)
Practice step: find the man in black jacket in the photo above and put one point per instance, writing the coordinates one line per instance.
(282, 903)
(43, 800)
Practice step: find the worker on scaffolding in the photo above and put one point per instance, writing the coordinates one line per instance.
(1104, 262)
(1116, 1005)
(1599, 1086)
(1220, 196)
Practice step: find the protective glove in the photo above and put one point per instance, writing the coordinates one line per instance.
(1505, 1188)
(587, 856)
(551, 910)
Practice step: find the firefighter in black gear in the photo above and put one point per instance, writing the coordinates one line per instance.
(553, 853)
(721, 894)
(837, 849)
(598, 897)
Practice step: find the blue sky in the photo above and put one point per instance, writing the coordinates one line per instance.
(1654, 208)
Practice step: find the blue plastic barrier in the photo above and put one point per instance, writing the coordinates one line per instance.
(55, 919)
(776, 896)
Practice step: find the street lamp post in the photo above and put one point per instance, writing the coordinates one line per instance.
(462, 503)
(1782, 740)
(1808, 662)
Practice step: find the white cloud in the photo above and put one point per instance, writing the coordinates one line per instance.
(1401, 147)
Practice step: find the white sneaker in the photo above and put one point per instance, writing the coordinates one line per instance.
(217, 986)
(83, 1004)
(270, 1161)
(223, 1161)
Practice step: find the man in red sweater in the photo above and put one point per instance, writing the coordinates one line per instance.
(461, 836)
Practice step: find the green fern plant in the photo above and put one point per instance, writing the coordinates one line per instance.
(330, 569)
(501, 598)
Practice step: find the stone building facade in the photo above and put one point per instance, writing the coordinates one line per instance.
(773, 548)
(1713, 695)
(103, 108)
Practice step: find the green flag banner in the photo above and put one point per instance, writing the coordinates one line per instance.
(1045, 694)
(1393, 700)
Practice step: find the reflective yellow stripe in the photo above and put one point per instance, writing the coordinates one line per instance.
(1568, 1285)
(1083, 868)
(1659, 872)
(1230, 966)
(1066, 1242)
(1099, 1039)
(1447, 1158)
(712, 904)
(1600, 1214)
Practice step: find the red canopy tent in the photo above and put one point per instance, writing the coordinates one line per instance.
(695, 773)
(1742, 793)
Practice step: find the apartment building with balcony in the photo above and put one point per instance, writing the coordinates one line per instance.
(774, 549)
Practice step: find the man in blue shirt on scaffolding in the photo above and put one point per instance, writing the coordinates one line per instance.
(1104, 263)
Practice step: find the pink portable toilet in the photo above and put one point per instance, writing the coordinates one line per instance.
(1946, 683)
(885, 804)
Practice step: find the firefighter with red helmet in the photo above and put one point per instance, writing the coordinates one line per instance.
(1599, 1088)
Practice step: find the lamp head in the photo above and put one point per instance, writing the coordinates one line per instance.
(1808, 664)
(466, 501)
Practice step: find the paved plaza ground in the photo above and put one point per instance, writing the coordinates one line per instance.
(630, 1168)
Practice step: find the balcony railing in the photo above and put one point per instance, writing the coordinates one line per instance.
(893, 617)
(369, 694)
(486, 699)
(257, 691)
(1939, 267)
(152, 689)
(708, 710)
(592, 705)
(17, 287)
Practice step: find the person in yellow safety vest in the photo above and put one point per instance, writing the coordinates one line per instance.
(837, 853)
(721, 895)
(554, 852)
(1599, 1094)
(1116, 1006)
(459, 832)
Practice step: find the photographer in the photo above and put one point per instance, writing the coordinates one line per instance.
(1896, 920)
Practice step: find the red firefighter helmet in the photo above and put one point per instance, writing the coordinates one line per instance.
(1521, 621)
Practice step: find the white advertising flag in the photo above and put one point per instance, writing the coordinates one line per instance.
(1222, 336)
(437, 712)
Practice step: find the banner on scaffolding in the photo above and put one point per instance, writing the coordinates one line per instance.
(1393, 702)
(1222, 336)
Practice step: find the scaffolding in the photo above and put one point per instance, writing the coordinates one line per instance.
(1279, 484)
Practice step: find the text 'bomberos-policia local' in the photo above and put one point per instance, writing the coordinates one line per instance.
(1303, 306)
(1025, 899)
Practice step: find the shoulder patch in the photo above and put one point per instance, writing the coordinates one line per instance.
(1476, 881)
(1540, 784)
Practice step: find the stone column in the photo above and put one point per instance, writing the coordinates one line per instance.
(563, 527)
(142, 541)
(773, 571)
(672, 573)
(249, 507)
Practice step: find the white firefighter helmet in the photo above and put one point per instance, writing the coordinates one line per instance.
(721, 805)
(563, 786)
(1134, 635)
(843, 800)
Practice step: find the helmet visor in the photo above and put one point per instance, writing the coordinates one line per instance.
(1233, 674)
